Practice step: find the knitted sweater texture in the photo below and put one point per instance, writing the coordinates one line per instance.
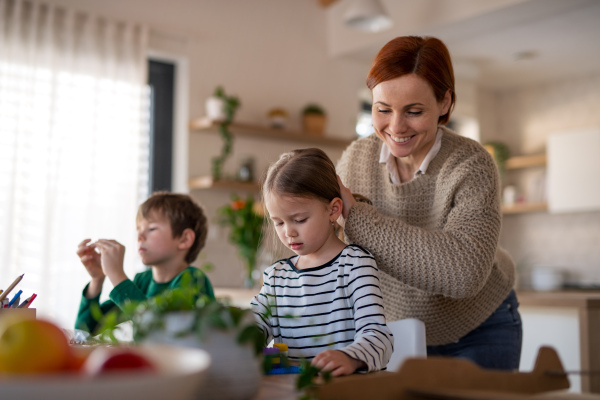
(435, 238)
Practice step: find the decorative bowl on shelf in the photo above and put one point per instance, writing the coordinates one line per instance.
(278, 118)
(181, 372)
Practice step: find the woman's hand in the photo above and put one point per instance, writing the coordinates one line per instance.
(347, 198)
(112, 254)
(339, 363)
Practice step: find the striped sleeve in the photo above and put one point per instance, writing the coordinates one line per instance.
(373, 343)
(263, 305)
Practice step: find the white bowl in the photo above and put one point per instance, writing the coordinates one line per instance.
(544, 278)
(181, 372)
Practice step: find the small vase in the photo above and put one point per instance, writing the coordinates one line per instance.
(251, 275)
(234, 372)
(215, 109)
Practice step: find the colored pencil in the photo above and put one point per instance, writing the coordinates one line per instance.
(11, 287)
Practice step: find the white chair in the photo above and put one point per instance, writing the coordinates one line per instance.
(409, 341)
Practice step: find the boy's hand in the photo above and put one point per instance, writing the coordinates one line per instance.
(338, 362)
(112, 254)
(90, 259)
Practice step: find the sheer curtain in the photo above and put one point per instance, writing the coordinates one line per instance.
(73, 146)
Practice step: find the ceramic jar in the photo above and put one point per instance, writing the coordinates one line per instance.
(234, 372)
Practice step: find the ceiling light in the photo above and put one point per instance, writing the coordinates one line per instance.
(367, 15)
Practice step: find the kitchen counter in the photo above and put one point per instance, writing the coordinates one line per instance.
(560, 298)
(587, 306)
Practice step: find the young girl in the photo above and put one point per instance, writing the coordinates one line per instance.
(325, 302)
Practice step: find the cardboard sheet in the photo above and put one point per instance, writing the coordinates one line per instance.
(451, 379)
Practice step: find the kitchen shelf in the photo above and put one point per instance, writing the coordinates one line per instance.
(207, 182)
(521, 162)
(257, 131)
(536, 160)
(519, 208)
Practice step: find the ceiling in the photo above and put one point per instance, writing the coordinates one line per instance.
(523, 43)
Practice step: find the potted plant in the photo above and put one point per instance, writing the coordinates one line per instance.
(221, 108)
(314, 119)
(228, 334)
(245, 220)
(500, 153)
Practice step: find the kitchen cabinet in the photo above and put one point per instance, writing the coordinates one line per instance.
(569, 321)
(573, 170)
(259, 132)
(519, 163)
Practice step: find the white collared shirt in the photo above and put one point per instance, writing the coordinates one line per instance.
(387, 158)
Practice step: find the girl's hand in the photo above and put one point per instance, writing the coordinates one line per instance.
(347, 198)
(90, 259)
(112, 254)
(339, 363)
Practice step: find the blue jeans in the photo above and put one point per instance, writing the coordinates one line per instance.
(495, 344)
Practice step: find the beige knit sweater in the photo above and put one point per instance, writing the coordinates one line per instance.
(435, 238)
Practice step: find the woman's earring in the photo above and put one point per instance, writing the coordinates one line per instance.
(333, 223)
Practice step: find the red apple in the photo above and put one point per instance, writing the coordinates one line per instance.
(77, 358)
(108, 360)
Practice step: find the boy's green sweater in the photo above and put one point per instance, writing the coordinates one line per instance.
(141, 288)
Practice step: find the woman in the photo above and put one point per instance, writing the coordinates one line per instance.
(431, 210)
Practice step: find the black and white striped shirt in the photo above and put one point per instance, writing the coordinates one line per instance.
(337, 305)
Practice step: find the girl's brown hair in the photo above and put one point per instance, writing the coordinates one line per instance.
(183, 213)
(303, 172)
(426, 57)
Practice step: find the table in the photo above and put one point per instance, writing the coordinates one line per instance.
(278, 387)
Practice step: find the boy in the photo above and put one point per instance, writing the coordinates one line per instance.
(172, 230)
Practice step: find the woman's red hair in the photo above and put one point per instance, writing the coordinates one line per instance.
(426, 57)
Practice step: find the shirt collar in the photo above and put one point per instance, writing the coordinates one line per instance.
(386, 157)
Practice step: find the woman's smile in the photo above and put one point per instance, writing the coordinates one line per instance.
(401, 140)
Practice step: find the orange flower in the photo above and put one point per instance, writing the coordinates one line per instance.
(237, 205)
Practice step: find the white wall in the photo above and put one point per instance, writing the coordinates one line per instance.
(523, 119)
(270, 53)
(275, 53)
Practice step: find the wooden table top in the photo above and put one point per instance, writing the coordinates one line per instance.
(278, 387)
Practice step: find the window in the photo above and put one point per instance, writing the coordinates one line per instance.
(161, 78)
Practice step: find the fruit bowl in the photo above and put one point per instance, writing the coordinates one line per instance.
(179, 375)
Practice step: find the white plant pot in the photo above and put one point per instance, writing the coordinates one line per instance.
(234, 372)
(215, 109)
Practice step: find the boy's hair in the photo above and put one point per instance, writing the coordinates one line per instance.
(303, 172)
(183, 213)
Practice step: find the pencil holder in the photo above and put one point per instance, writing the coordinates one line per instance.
(24, 312)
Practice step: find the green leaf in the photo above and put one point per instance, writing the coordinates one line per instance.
(306, 380)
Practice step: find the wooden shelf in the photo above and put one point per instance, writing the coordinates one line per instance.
(257, 131)
(536, 160)
(519, 208)
(207, 182)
